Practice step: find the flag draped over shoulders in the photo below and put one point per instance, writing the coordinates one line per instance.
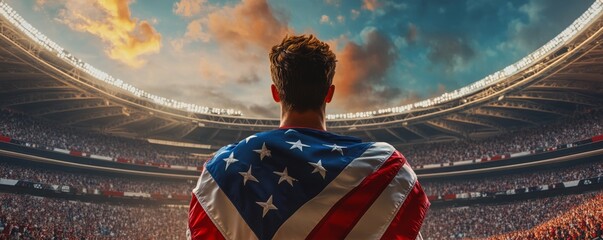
(306, 184)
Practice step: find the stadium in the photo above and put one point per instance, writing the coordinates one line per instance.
(100, 158)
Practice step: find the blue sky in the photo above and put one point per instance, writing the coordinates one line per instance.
(214, 53)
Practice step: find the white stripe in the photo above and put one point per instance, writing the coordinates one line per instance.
(379, 216)
(303, 221)
(220, 209)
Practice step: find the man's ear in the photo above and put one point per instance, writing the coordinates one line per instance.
(275, 95)
(330, 94)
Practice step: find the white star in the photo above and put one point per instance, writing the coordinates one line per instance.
(290, 131)
(318, 168)
(230, 159)
(299, 145)
(336, 148)
(267, 206)
(249, 138)
(248, 176)
(285, 177)
(263, 152)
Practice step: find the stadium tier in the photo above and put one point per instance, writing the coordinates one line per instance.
(561, 217)
(62, 219)
(38, 133)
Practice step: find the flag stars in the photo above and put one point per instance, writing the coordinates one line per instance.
(267, 206)
(299, 145)
(334, 147)
(229, 160)
(264, 152)
(284, 176)
(318, 168)
(247, 176)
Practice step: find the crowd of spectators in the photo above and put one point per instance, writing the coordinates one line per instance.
(495, 183)
(582, 222)
(90, 182)
(561, 217)
(43, 133)
(563, 131)
(29, 217)
(564, 214)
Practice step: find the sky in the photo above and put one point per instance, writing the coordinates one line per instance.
(215, 53)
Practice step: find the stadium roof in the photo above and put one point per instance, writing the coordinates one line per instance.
(562, 77)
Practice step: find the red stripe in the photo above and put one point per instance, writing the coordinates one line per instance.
(4, 139)
(200, 225)
(408, 220)
(344, 215)
(597, 138)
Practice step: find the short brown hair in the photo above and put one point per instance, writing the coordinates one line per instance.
(302, 69)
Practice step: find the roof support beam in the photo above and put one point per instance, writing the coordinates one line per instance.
(503, 115)
(529, 106)
(446, 127)
(96, 115)
(390, 131)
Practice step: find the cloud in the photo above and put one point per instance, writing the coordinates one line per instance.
(248, 25)
(540, 22)
(354, 14)
(335, 3)
(194, 32)
(411, 34)
(360, 77)
(324, 19)
(371, 5)
(451, 52)
(188, 8)
(126, 39)
(340, 19)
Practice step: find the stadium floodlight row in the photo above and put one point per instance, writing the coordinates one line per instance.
(553, 45)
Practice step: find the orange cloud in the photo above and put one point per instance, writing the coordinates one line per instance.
(194, 32)
(188, 8)
(127, 39)
(360, 76)
(371, 5)
(247, 25)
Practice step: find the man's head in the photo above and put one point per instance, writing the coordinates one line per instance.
(302, 70)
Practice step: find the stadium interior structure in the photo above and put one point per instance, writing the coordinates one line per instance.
(103, 156)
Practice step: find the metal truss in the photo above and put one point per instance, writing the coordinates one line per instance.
(448, 128)
(111, 112)
(574, 98)
(502, 114)
(35, 98)
(527, 106)
(70, 107)
(461, 118)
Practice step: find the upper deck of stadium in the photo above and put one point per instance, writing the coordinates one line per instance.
(42, 79)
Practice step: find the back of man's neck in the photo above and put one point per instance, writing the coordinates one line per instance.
(314, 119)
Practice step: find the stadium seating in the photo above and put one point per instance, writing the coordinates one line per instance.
(22, 217)
(542, 218)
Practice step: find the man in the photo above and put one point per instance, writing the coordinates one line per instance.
(300, 181)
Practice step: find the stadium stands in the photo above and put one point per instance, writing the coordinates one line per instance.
(29, 217)
(523, 179)
(582, 222)
(481, 221)
(564, 131)
(89, 183)
(41, 133)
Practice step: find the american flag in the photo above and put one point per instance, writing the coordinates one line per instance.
(302, 183)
